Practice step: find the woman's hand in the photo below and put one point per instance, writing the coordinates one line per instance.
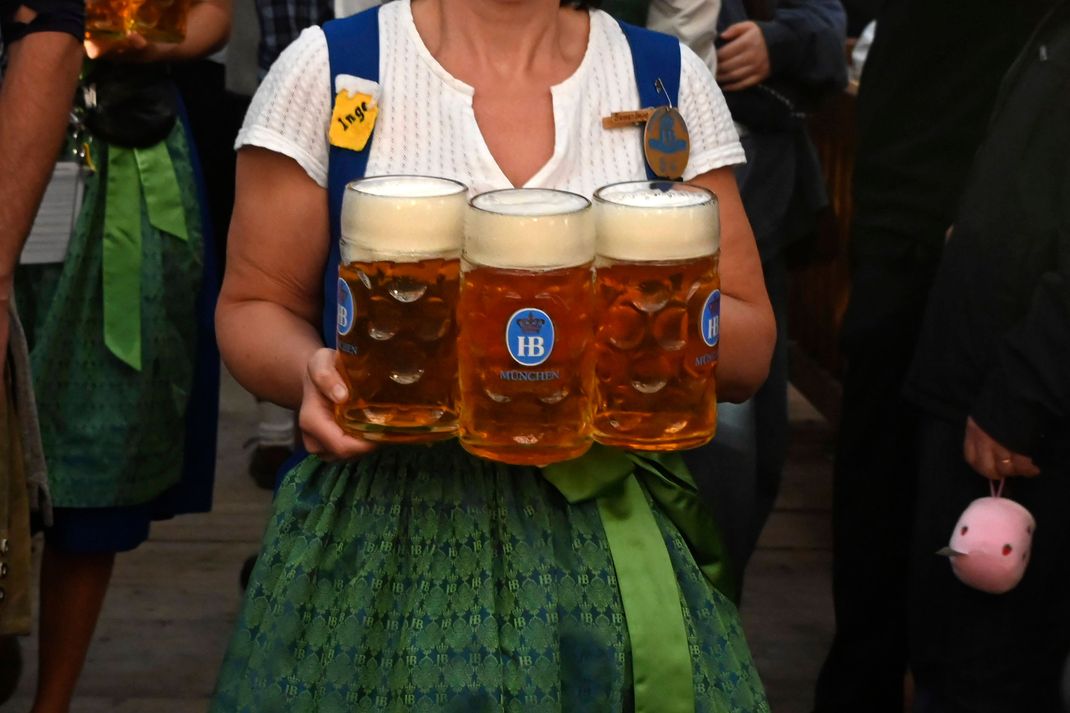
(743, 61)
(323, 388)
(989, 458)
(129, 48)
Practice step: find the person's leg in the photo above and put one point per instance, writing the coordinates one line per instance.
(73, 586)
(874, 477)
(10, 666)
(79, 554)
(275, 434)
(872, 497)
(724, 472)
(771, 405)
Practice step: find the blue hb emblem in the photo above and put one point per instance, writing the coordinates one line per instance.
(345, 308)
(529, 336)
(665, 138)
(711, 319)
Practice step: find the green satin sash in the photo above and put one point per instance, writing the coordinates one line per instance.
(620, 483)
(131, 175)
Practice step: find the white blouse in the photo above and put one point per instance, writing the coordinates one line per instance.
(426, 124)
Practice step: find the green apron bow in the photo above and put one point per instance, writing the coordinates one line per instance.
(620, 482)
(131, 175)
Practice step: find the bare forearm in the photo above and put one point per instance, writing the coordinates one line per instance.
(267, 348)
(207, 31)
(747, 338)
(748, 330)
(35, 101)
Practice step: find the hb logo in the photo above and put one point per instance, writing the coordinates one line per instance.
(529, 336)
(711, 319)
(345, 308)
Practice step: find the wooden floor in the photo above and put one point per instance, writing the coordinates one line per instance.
(172, 603)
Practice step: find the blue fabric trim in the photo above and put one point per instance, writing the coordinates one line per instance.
(654, 56)
(353, 48)
(194, 492)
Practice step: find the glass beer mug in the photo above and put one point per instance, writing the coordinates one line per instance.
(107, 19)
(397, 296)
(658, 298)
(155, 20)
(161, 20)
(525, 326)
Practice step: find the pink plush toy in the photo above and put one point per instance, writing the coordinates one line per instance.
(991, 542)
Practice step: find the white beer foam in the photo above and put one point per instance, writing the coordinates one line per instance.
(402, 218)
(529, 229)
(645, 224)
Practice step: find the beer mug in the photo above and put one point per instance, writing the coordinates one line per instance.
(107, 19)
(525, 326)
(397, 297)
(658, 297)
(161, 20)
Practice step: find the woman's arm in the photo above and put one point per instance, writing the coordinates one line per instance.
(270, 305)
(748, 330)
(207, 31)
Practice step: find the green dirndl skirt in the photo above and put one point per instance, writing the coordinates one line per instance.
(113, 434)
(425, 579)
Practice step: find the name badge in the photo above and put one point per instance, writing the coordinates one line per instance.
(356, 107)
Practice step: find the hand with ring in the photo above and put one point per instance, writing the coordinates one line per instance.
(991, 459)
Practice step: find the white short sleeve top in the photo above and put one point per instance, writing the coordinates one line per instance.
(426, 123)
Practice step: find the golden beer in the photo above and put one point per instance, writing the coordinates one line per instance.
(108, 19)
(525, 319)
(657, 295)
(397, 300)
(162, 20)
(155, 20)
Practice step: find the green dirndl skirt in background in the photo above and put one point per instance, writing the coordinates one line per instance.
(113, 435)
(425, 579)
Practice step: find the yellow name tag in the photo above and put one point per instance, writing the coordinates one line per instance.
(353, 120)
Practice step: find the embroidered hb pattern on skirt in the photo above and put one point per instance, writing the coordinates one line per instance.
(424, 579)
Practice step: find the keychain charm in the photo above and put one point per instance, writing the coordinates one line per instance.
(666, 141)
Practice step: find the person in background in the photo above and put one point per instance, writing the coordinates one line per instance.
(113, 338)
(216, 91)
(694, 22)
(990, 375)
(774, 61)
(281, 21)
(926, 93)
(859, 14)
(41, 45)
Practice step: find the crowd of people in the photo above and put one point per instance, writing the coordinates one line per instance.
(197, 211)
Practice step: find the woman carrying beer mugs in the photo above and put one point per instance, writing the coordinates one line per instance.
(420, 577)
(118, 346)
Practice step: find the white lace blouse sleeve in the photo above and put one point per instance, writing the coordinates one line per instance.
(714, 139)
(291, 111)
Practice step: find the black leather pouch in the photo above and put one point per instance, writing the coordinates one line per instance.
(130, 105)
